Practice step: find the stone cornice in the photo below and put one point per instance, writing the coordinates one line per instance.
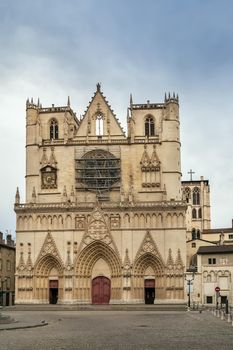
(73, 207)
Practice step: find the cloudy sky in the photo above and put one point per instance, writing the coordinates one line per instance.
(55, 48)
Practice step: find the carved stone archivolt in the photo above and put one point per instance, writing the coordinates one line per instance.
(49, 257)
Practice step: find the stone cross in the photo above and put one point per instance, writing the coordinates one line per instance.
(191, 174)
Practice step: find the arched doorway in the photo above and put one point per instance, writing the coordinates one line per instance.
(149, 290)
(90, 265)
(148, 271)
(101, 290)
(53, 291)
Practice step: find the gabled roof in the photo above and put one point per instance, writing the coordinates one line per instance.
(200, 239)
(98, 93)
(217, 249)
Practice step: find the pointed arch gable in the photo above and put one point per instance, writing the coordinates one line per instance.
(48, 257)
(46, 263)
(146, 261)
(92, 253)
(148, 255)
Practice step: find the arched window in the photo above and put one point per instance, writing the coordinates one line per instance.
(194, 213)
(149, 126)
(194, 233)
(199, 213)
(187, 193)
(53, 129)
(198, 234)
(99, 126)
(196, 196)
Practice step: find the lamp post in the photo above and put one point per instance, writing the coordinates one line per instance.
(189, 278)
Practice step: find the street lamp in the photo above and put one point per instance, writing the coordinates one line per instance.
(189, 278)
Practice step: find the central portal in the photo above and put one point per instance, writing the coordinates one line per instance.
(101, 290)
(149, 285)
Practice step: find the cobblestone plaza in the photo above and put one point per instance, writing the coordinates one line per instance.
(119, 330)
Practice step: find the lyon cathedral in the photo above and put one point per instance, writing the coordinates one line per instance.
(106, 215)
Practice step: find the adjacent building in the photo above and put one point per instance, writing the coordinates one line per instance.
(7, 270)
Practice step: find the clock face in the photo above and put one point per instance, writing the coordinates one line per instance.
(49, 178)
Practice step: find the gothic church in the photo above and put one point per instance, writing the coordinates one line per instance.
(104, 218)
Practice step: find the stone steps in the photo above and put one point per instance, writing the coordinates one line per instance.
(120, 307)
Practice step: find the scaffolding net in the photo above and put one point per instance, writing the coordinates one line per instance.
(97, 171)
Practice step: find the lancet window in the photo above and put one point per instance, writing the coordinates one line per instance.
(53, 129)
(196, 196)
(99, 125)
(149, 126)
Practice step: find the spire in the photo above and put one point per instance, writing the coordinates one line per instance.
(64, 194)
(131, 100)
(98, 87)
(52, 159)
(165, 97)
(27, 102)
(179, 259)
(38, 102)
(145, 161)
(128, 115)
(17, 196)
(72, 195)
(127, 263)
(170, 260)
(44, 158)
(154, 158)
(68, 101)
(34, 195)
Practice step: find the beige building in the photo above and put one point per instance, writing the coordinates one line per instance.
(7, 270)
(197, 196)
(215, 268)
(104, 217)
(198, 216)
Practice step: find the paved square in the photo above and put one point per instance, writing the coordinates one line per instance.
(95, 330)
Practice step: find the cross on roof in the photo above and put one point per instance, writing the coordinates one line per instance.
(191, 174)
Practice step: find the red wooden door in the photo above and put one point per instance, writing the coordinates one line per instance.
(101, 290)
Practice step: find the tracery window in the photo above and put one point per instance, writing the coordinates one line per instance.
(149, 126)
(194, 236)
(187, 193)
(99, 125)
(196, 196)
(53, 129)
(199, 213)
(194, 213)
(97, 171)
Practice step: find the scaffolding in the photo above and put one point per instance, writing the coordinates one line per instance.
(97, 171)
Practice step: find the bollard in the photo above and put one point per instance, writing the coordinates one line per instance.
(222, 315)
(218, 313)
(228, 318)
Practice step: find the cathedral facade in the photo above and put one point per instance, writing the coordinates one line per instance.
(104, 215)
